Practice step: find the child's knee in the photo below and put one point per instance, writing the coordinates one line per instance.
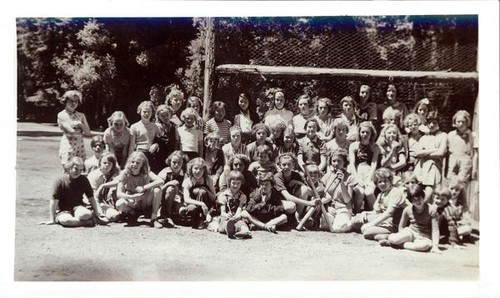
(82, 213)
(112, 214)
(305, 192)
(65, 219)
(123, 205)
(289, 207)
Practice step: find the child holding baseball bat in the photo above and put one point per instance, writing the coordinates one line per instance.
(321, 197)
(340, 187)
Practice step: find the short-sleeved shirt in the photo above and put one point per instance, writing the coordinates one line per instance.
(131, 182)
(97, 178)
(167, 175)
(462, 144)
(421, 222)
(69, 192)
(144, 134)
(232, 202)
(117, 140)
(190, 137)
(120, 143)
(284, 184)
(393, 198)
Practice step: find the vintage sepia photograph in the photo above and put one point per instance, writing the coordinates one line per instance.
(279, 147)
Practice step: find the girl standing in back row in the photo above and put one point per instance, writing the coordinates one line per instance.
(74, 126)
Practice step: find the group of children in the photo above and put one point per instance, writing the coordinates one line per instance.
(376, 170)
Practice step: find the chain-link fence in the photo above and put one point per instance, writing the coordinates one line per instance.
(404, 43)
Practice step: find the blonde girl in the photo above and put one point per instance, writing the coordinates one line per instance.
(199, 193)
(191, 138)
(66, 206)
(340, 130)
(139, 191)
(144, 131)
(463, 148)
(103, 181)
(118, 138)
(363, 158)
(74, 126)
(391, 149)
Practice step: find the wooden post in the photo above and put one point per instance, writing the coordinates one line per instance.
(209, 68)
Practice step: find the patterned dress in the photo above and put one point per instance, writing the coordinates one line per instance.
(71, 143)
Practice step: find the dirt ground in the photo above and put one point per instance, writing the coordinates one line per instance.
(120, 253)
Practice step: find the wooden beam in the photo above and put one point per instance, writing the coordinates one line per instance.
(270, 71)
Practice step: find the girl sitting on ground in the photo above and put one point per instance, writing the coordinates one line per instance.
(384, 218)
(199, 193)
(172, 197)
(103, 181)
(265, 209)
(340, 207)
(139, 191)
(418, 229)
(232, 202)
(66, 206)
